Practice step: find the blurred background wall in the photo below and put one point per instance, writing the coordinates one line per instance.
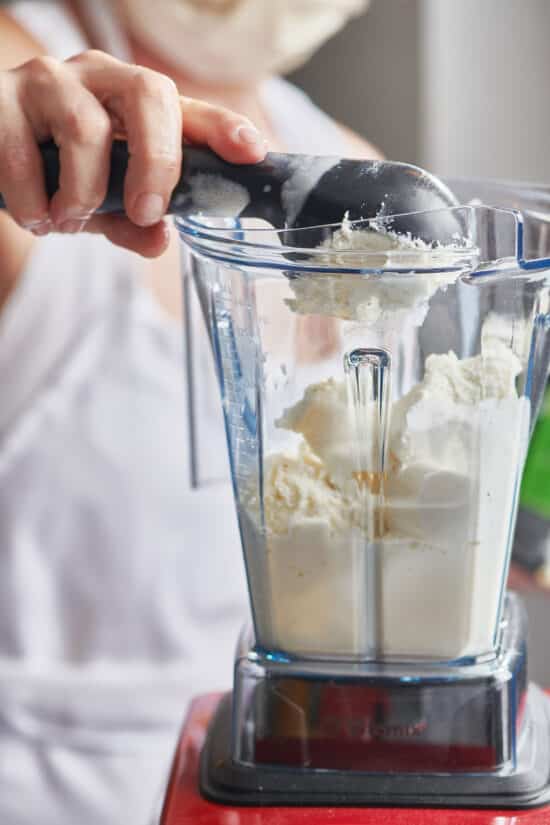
(368, 77)
(460, 86)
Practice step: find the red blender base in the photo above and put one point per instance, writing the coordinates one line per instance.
(183, 804)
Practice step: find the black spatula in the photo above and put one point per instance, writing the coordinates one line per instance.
(292, 191)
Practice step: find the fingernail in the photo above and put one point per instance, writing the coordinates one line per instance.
(248, 134)
(72, 226)
(148, 209)
(39, 227)
(42, 230)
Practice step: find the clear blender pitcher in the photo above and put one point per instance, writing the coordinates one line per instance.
(378, 393)
(376, 479)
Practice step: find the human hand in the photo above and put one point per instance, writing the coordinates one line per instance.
(83, 104)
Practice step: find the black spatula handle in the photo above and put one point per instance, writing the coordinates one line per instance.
(119, 161)
(262, 181)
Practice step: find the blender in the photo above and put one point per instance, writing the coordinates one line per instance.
(376, 484)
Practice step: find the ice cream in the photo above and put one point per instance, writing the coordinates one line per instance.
(370, 297)
(429, 583)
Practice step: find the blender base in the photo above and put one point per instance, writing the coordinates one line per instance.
(310, 732)
(225, 781)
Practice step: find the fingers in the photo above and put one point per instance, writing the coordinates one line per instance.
(152, 118)
(51, 101)
(21, 172)
(230, 135)
(80, 103)
(147, 104)
(57, 104)
(150, 241)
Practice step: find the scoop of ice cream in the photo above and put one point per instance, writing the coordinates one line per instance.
(324, 418)
(437, 421)
(467, 381)
(298, 489)
(371, 297)
(433, 448)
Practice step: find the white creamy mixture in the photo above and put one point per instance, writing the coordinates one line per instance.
(456, 441)
(413, 568)
(371, 298)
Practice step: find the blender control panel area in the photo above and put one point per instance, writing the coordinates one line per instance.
(184, 805)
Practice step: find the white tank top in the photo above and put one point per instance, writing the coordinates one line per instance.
(120, 595)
